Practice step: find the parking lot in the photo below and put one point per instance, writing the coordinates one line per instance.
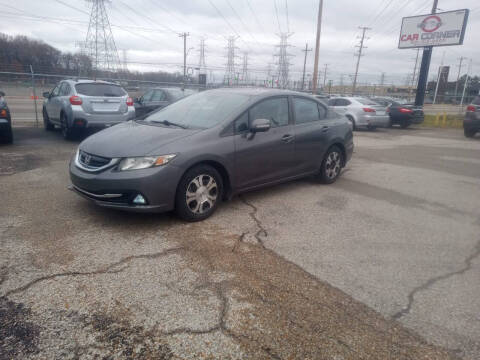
(383, 264)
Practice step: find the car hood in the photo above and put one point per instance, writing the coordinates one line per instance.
(132, 139)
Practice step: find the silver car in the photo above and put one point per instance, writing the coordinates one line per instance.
(74, 105)
(361, 112)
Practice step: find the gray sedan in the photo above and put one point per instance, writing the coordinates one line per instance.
(210, 146)
(361, 112)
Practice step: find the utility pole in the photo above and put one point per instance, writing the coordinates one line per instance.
(458, 75)
(466, 81)
(415, 68)
(360, 49)
(184, 35)
(317, 47)
(325, 76)
(440, 72)
(424, 67)
(305, 64)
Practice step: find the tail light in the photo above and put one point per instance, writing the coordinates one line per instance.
(387, 110)
(369, 110)
(75, 100)
(3, 113)
(405, 111)
(471, 108)
(129, 101)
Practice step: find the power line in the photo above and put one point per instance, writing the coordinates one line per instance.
(255, 15)
(241, 21)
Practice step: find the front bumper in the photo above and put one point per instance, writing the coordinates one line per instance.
(157, 185)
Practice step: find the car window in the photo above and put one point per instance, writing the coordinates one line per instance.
(476, 101)
(332, 102)
(177, 94)
(305, 110)
(241, 124)
(56, 90)
(100, 89)
(322, 111)
(158, 95)
(275, 110)
(342, 102)
(147, 96)
(64, 90)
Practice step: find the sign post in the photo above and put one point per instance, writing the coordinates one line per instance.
(427, 31)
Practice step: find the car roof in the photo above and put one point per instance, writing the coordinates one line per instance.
(262, 92)
(90, 81)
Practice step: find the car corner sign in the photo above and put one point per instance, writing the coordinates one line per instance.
(441, 29)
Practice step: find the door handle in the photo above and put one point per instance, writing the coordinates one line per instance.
(287, 138)
(325, 129)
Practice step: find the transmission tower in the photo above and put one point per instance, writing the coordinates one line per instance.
(283, 60)
(202, 67)
(99, 43)
(230, 73)
(245, 68)
(124, 61)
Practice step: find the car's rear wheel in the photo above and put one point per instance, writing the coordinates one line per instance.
(48, 126)
(469, 133)
(198, 193)
(331, 165)
(405, 124)
(352, 121)
(67, 132)
(7, 136)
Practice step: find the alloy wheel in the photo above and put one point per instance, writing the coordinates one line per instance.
(201, 194)
(333, 165)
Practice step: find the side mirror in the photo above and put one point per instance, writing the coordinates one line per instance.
(260, 125)
(46, 94)
(2, 93)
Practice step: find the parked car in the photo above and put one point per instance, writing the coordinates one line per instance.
(361, 112)
(158, 98)
(471, 122)
(401, 111)
(74, 105)
(6, 134)
(209, 146)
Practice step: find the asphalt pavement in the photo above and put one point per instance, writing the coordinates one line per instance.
(383, 264)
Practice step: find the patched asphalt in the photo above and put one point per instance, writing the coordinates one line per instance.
(290, 272)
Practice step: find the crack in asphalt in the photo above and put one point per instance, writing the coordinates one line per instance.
(239, 241)
(435, 279)
(253, 214)
(104, 270)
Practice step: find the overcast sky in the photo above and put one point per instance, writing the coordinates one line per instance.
(148, 31)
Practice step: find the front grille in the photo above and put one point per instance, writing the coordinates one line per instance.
(91, 161)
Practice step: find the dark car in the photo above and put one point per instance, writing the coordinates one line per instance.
(6, 134)
(158, 98)
(401, 112)
(471, 122)
(210, 146)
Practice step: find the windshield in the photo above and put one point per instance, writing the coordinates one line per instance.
(177, 94)
(99, 89)
(203, 110)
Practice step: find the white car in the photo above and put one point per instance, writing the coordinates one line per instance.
(361, 112)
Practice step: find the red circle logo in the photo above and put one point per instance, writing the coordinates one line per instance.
(430, 23)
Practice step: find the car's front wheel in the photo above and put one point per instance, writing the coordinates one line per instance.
(198, 193)
(331, 165)
(46, 121)
(67, 132)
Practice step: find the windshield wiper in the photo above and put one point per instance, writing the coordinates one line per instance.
(169, 123)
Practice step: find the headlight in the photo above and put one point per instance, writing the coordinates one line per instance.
(136, 163)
